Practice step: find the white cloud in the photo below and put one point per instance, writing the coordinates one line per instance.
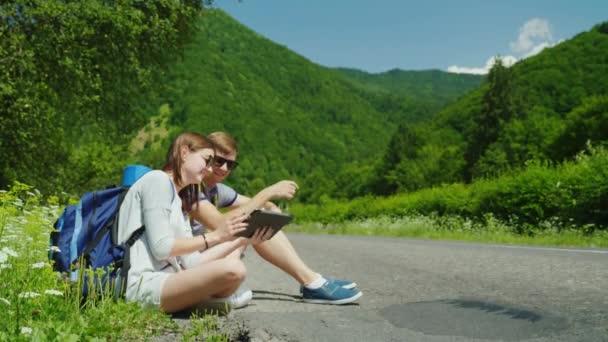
(506, 61)
(534, 32)
(464, 70)
(534, 36)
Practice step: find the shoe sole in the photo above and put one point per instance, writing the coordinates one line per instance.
(334, 302)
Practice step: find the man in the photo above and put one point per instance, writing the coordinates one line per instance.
(315, 288)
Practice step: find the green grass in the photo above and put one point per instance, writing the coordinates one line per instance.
(457, 228)
(36, 305)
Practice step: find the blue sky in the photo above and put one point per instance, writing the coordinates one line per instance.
(376, 36)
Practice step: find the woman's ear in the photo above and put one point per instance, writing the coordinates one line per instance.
(183, 153)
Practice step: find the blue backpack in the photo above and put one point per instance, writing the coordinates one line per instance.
(85, 237)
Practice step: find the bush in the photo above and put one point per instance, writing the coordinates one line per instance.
(573, 193)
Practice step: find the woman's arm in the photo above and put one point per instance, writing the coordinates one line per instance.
(232, 226)
(222, 250)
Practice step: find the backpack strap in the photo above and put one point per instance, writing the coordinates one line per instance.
(126, 262)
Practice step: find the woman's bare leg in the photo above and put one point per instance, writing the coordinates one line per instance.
(218, 278)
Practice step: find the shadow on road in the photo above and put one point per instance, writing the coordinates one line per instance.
(495, 308)
(276, 296)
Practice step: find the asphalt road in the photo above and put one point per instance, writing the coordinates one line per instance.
(419, 290)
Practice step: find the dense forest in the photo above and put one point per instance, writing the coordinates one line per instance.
(75, 82)
(88, 87)
(292, 118)
(102, 84)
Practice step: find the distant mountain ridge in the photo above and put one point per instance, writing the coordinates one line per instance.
(416, 83)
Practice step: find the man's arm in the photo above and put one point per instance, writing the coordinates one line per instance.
(242, 200)
(207, 214)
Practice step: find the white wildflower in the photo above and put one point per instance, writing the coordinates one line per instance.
(54, 249)
(39, 265)
(3, 191)
(29, 193)
(5, 301)
(2, 266)
(3, 257)
(9, 251)
(26, 330)
(29, 294)
(53, 292)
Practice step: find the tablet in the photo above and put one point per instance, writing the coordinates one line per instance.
(265, 218)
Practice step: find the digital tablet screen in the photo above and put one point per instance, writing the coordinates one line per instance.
(264, 218)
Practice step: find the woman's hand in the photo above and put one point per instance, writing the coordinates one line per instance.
(231, 226)
(261, 234)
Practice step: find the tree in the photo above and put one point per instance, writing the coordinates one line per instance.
(498, 107)
(75, 76)
(403, 146)
(588, 122)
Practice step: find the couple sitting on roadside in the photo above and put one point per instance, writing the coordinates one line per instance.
(178, 265)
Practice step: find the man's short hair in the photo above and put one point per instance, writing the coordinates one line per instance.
(223, 142)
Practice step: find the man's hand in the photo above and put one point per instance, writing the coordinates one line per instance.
(284, 189)
(272, 207)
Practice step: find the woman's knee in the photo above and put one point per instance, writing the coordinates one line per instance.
(235, 270)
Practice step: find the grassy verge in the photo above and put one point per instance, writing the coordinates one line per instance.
(490, 230)
(37, 305)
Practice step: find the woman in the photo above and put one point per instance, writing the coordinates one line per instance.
(167, 269)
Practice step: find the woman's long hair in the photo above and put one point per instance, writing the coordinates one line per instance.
(173, 163)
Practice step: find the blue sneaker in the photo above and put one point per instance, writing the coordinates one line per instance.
(330, 293)
(347, 284)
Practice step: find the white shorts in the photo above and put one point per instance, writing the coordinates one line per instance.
(146, 288)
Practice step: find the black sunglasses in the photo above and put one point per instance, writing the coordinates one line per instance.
(230, 164)
(209, 160)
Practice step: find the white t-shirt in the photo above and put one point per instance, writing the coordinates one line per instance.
(154, 203)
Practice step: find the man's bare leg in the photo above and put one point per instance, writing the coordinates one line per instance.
(280, 252)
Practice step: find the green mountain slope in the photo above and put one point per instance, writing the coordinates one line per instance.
(292, 118)
(410, 96)
(544, 108)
